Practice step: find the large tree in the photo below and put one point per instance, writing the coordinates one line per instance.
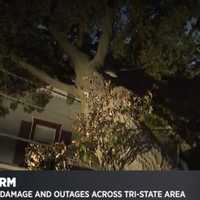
(77, 41)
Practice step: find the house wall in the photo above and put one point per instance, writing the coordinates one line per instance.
(57, 111)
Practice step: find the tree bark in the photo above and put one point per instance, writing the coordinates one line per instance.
(104, 41)
(84, 67)
(150, 160)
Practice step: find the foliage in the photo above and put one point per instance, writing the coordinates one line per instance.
(15, 83)
(4, 110)
(111, 133)
(41, 98)
(161, 45)
(153, 38)
(164, 132)
(46, 157)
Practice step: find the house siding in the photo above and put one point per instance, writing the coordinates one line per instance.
(57, 111)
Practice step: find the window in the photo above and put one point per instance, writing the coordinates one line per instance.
(45, 131)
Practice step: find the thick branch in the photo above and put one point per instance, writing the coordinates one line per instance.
(104, 41)
(43, 76)
(80, 60)
(74, 53)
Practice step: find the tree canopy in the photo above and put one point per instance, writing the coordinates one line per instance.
(142, 47)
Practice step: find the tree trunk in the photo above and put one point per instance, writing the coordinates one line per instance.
(84, 76)
(153, 159)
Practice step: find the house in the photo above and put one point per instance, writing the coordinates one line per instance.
(19, 128)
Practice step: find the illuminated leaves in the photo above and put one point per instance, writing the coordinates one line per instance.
(40, 157)
(111, 132)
